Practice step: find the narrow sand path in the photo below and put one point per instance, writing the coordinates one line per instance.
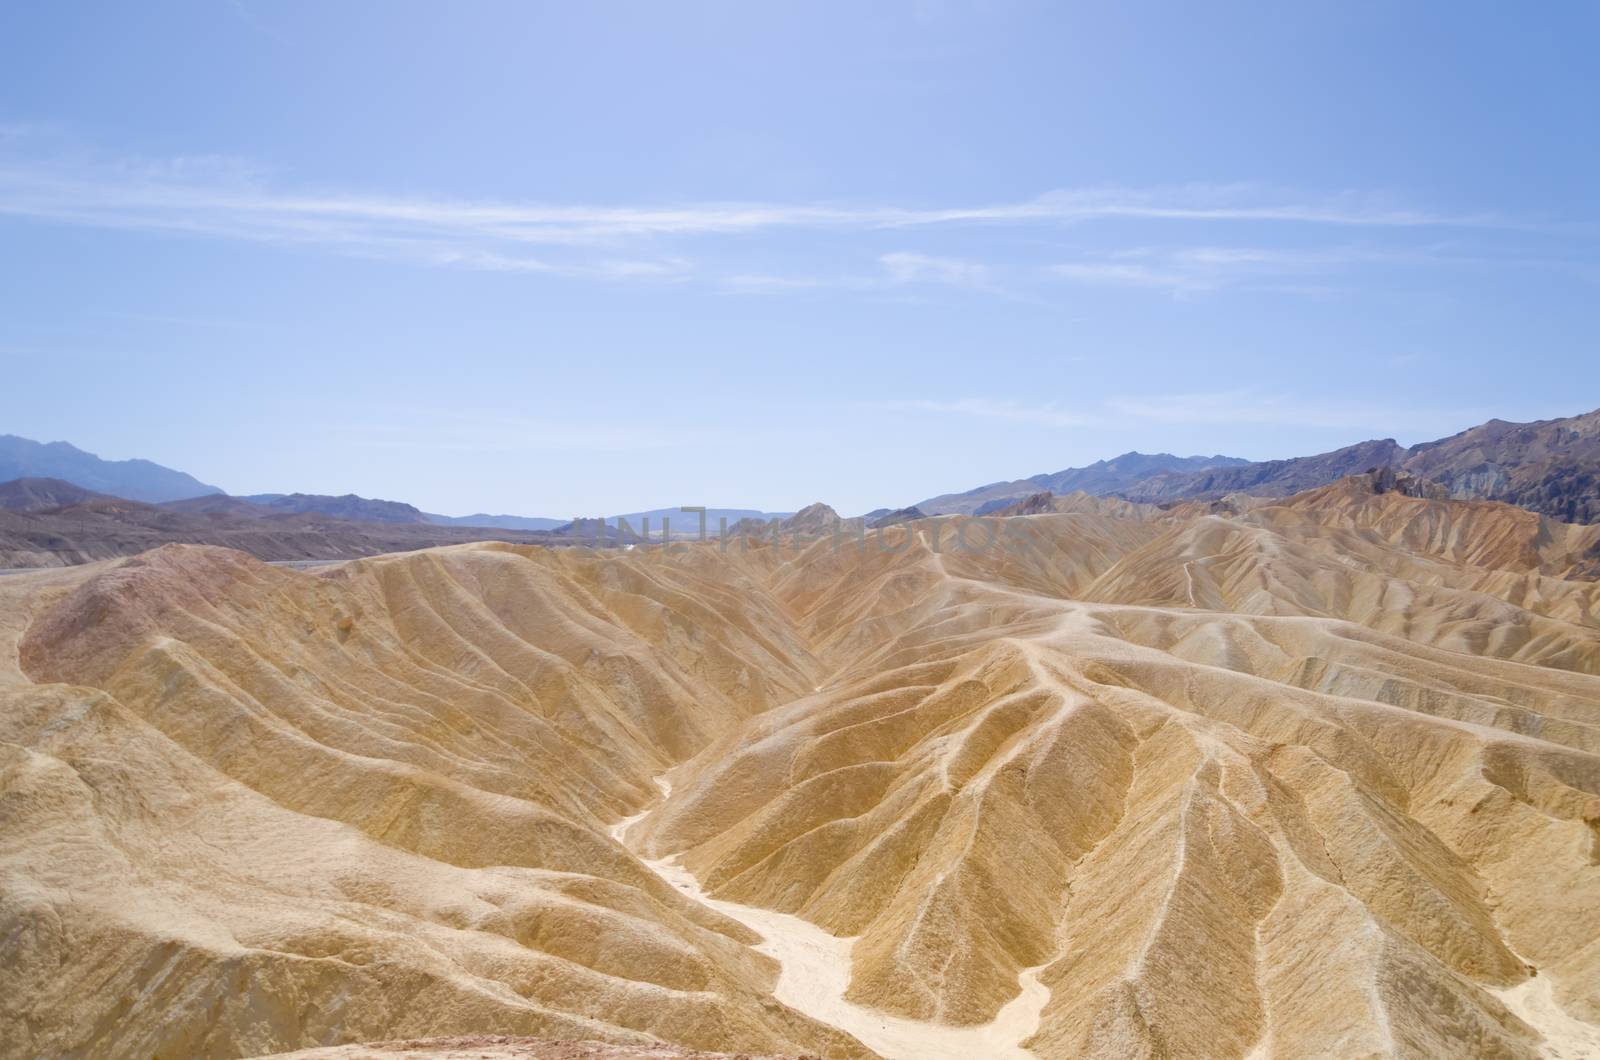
(1565, 1038)
(816, 973)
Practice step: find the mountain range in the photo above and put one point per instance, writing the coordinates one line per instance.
(142, 480)
(138, 480)
(1250, 764)
(1304, 776)
(1098, 479)
(499, 522)
(1548, 466)
(52, 523)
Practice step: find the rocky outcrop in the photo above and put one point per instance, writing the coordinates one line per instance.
(813, 518)
(1036, 504)
(1388, 480)
(1550, 466)
(894, 518)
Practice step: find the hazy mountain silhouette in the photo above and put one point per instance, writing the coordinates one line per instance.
(139, 480)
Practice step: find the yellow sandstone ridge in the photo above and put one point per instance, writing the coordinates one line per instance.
(1299, 778)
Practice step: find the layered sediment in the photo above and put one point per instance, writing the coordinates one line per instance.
(1317, 776)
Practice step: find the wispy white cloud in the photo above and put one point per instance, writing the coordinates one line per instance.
(1186, 271)
(904, 267)
(896, 269)
(1125, 274)
(886, 251)
(758, 283)
(230, 198)
(1192, 270)
(667, 268)
(169, 194)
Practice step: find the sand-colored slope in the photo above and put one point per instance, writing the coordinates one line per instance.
(1017, 775)
(814, 978)
(1302, 778)
(508, 1047)
(300, 810)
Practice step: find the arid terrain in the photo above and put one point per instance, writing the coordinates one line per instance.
(51, 523)
(503, 1047)
(1548, 466)
(1300, 777)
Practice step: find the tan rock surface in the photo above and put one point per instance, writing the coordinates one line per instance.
(500, 1047)
(1311, 777)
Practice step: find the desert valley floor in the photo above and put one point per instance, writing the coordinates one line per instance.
(1306, 777)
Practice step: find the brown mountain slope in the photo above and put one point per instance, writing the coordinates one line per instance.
(1552, 466)
(1549, 466)
(1101, 477)
(1301, 778)
(1079, 501)
(345, 506)
(43, 494)
(217, 504)
(94, 527)
(1270, 478)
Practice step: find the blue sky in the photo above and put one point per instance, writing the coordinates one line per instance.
(559, 258)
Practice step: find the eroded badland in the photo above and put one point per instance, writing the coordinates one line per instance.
(1308, 777)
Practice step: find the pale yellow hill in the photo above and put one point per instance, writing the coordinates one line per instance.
(1311, 777)
(501, 1047)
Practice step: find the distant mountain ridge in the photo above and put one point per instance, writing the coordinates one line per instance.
(41, 495)
(347, 506)
(138, 480)
(1099, 478)
(51, 523)
(1548, 466)
(498, 522)
(1268, 478)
